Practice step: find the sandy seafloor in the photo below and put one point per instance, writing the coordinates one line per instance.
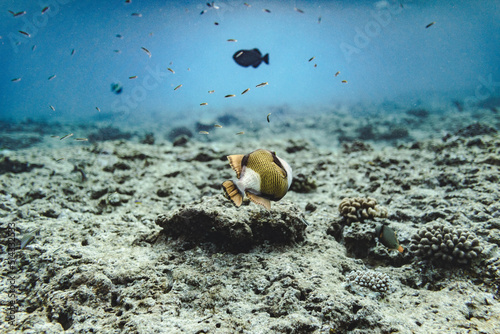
(101, 264)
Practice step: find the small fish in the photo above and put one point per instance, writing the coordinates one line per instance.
(310, 59)
(337, 74)
(73, 52)
(430, 24)
(33, 48)
(147, 51)
(60, 159)
(266, 10)
(29, 237)
(204, 132)
(81, 139)
(344, 81)
(315, 65)
(319, 20)
(203, 12)
(16, 80)
(171, 70)
(119, 36)
(240, 133)
(117, 51)
(97, 108)
(18, 13)
(53, 109)
(67, 136)
(45, 9)
(203, 104)
(116, 88)
(260, 175)
(138, 202)
(299, 10)
(216, 23)
(246, 90)
(217, 126)
(262, 84)
(52, 77)
(232, 40)
(387, 237)
(133, 77)
(230, 95)
(268, 121)
(176, 88)
(54, 136)
(128, 1)
(137, 14)
(25, 33)
(246, 4)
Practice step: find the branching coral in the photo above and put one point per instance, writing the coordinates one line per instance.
(369, 278)
(357, 209)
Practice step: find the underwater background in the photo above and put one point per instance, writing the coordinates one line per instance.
(382, 49)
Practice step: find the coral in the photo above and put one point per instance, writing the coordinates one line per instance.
(445, 243)
(493, 269)
(303, 184)
(357, 209)
(374, 280)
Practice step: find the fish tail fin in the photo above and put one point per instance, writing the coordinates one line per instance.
(266, 58)
(232, 192)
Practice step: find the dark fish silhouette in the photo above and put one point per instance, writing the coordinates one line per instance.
(116, 88)
(253, 57)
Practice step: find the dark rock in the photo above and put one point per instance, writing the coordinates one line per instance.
(18, 143)
(476, 129)
(303, 184)
(108, 133)
(14, 166)
(181, 141)
(179, 131)
(216, 220)
(356, 146)
(420, 113)
(296, 146)
(149, 139)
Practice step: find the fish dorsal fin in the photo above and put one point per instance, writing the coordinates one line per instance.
(259, 200)
(258, 51)
(235, 162)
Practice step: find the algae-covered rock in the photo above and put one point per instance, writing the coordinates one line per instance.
(216, 220)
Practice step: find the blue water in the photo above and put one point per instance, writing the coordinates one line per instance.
(381, 48)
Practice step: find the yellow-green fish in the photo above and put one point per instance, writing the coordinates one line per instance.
(260, 175)
(387, 237)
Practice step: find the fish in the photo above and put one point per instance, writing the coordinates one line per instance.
(25, 33)
(203, 12)
(51, 77)
(387, 237)
(133, 77)
(16, 80)
(18, 13)
(171, 70)
(245, 91)
(147, 51)
(310, 59)
(81, 139)
(336, 74)
(266, 10)
(262, 84)
(260, 175)
(240, 133)
(430, 24)
(217, 126)
(211, 91)
(344, 81)
(246, 4)
(204, 133)
(268, 121)
(53, 109)
(119, 36)
(299, 10)
(319, 20)
(67, 136)
(179, 86)
(137, 14)
(128, 1)
(117, 51)
(59, 159)
(232, 40)
(73, 52)
(252, 58)
(29, 237)
(230, 95)
(97, 108)
(33, 48)
(216, 23)
(116, 88)
(45, 9)
(203, 104)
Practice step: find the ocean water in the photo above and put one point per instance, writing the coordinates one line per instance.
(383, 50)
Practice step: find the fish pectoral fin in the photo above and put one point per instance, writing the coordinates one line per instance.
(232, 192)
(259, 200)
(235, 162)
